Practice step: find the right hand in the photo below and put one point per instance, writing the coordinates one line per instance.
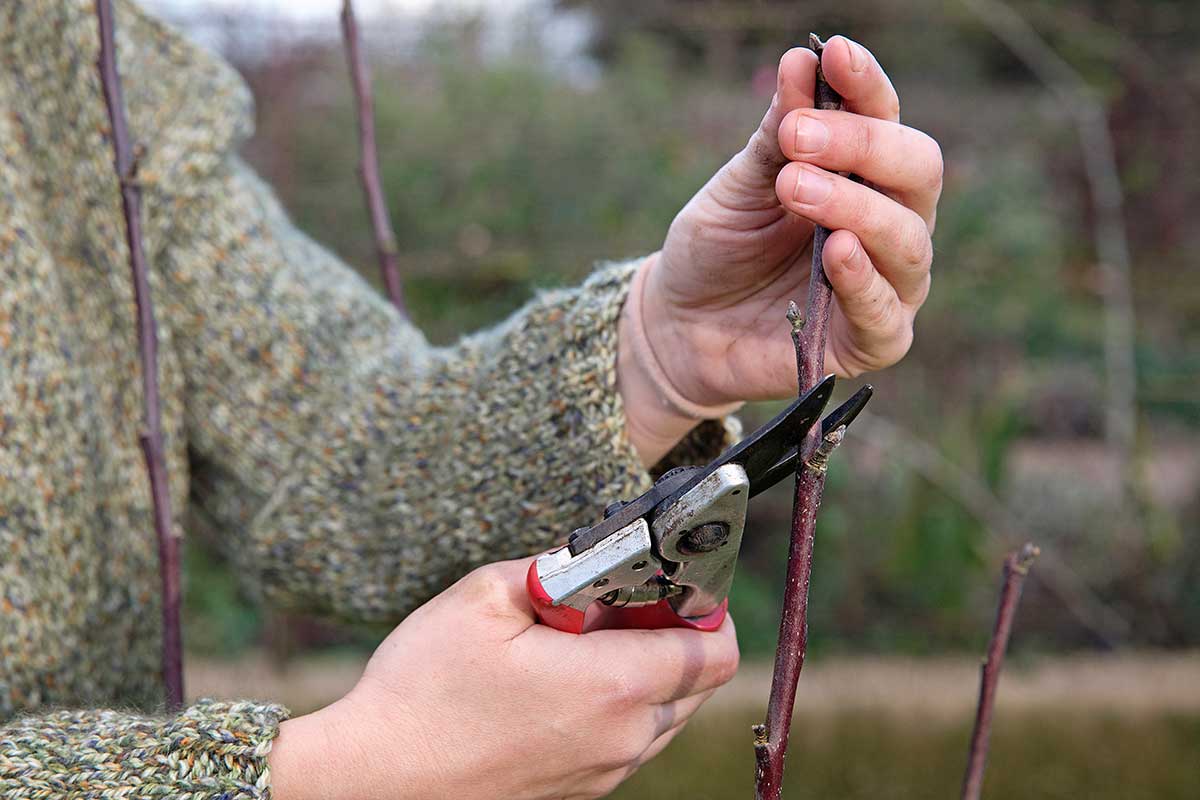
(469, 698)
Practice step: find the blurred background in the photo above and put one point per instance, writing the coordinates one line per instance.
(1050, 395)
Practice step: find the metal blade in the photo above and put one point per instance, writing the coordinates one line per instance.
(759, 451)
(756, 453)
(842, 415)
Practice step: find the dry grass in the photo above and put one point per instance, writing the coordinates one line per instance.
(944, 688)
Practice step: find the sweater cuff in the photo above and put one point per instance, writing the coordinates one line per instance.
(211, 749)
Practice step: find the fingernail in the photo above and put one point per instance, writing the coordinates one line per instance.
(854, 259)
(811, 135)
(813, 187)
(858, 56)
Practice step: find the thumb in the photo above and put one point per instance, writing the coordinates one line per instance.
(760, 161)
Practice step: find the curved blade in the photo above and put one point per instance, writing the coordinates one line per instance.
(756, 454)
(761, 450)
(842, 415)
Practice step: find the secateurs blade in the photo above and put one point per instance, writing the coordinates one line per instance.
(666, 558)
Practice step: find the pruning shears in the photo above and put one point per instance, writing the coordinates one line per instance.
(666, 558)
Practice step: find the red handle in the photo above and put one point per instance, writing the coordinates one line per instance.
(659, 615)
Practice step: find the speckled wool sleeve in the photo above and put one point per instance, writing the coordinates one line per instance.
(211, 749)
(355, 469)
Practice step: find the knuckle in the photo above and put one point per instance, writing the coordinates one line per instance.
(486, 587)
(864, 142)
(903, 342)
(621, 691)
(861, 213)
(919, 296)
(892, 105)
(764, 148)
(726, 666)
(623, 750)
(916, 245)
(876, 314)
(937, 164)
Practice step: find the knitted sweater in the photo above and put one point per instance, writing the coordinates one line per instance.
(349, 467)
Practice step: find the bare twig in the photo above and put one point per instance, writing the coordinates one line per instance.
(1087, 108)
(808, 336)
(1016, 567)
(1000, 520)
(151, 437)
(368, 167)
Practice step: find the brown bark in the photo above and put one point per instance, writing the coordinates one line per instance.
(125, 161)
(809, 334)
(1016, 567)
(368, 167)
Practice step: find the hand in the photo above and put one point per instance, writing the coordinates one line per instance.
(714, 298)
(469, 698)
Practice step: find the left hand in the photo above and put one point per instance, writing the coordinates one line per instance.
(714, 298)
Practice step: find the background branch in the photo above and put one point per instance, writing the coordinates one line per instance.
(1016, 567)
(125, 161)
(368, 167)
(1111, 243)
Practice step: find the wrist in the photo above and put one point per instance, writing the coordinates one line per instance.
(326, 755)
(657, 414)
(297, 760)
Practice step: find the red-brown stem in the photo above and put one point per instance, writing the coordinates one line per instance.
(147, 333)
(808, 335)
(1016, 567)
(368, 165)
(770, 745)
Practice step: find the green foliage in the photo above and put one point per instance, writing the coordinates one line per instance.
(217, 616)
(504, 176)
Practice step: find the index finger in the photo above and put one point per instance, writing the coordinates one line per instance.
(855, 74)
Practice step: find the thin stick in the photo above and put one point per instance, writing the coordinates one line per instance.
(1016, 567)
(368, 166)
(147, 333)
(1086, 105)
(808, 336)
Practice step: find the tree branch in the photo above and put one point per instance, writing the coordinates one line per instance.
(125, 161)
(368, 167)
(809, 335)
(1016, 567)
(1111, 243)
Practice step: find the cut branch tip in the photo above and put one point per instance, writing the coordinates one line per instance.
(795, 316)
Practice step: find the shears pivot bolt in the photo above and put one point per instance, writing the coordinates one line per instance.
(704, 538)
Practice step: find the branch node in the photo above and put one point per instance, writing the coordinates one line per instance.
(819, 461)
(1025, 558)
(760, 736)
(795, 316)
